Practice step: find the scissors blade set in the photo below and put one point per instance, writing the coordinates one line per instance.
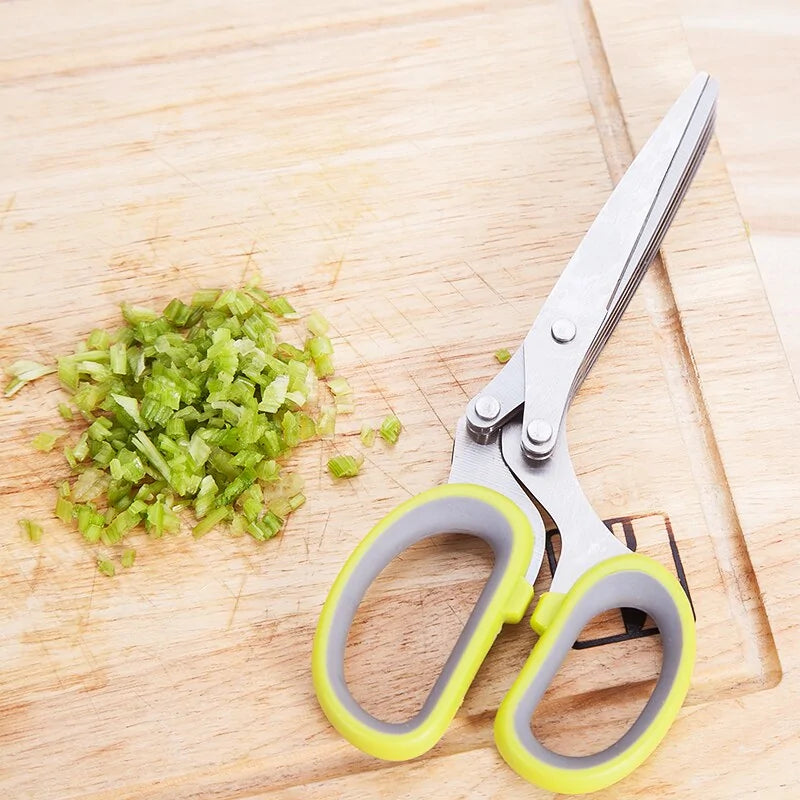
(594, 289)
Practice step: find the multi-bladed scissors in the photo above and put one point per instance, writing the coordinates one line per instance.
(510, 455)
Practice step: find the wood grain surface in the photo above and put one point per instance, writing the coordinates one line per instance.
(753, 49)
(420, 172)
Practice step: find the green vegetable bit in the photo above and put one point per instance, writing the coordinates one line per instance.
(32, 530)
(317, 324)
(106, 567)
(345, 466)
(367, 435)
(46, 440)
(502, 355)
(22, 372)
(210, 521)
(192, 408)
(390, 429)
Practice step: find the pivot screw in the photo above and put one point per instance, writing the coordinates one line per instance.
(487, 407)
(563, 330)
(539, 431)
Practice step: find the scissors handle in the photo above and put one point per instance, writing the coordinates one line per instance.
(451, 508)
(625, 581)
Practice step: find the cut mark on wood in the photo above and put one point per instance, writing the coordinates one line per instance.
(729, 547)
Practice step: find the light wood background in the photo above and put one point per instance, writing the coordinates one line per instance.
(420, 172)
(752, 48)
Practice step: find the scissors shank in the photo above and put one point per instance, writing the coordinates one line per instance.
(585, 540)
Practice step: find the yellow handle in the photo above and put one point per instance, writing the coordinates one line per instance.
(625, 581)
(451, 508)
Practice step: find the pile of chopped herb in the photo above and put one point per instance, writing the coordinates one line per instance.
(191, 408)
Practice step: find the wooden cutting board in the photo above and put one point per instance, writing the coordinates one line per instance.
(420, 172)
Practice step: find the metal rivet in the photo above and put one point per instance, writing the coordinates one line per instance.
(563, 330)
(539, 431)
(487, 407)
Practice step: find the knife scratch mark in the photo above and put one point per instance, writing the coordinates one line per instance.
(236, 603)
(324, 529)
(388, 475)
(382, 326)
(178, 171)
(491, 288)
(247, 262)
(435, 349)
(365, 366)
(431, 406)
(453, 285)
(438, 310)
(337, 270)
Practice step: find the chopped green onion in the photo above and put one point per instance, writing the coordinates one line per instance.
(205, 298)
(160, 519)
(81, 449)
(326, 423)
(206, 495)
(241, 482)
(193, 407)
(344, 404)
(199, 449)
(251, 501)
(265, 528)
(143, 444)
(118, 358)
(502, 355)
(320, 349)
(345, 466)
(279, 306)
(367, 435)
(106, 567)
(390, 429)
(45, 441)
(128, 557)
(22, 372)
(317, 324)
(98, 340)
(210, 521)
(268, 471)
(136, 315)
(90, 484)
(339, 386)
(274, 395)
(68, 373)
(177, 312)
(124, 521)
(64, 510)
(33, 530)
(291, 429)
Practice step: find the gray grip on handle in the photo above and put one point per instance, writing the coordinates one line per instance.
(628, 589)
(454, 514)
